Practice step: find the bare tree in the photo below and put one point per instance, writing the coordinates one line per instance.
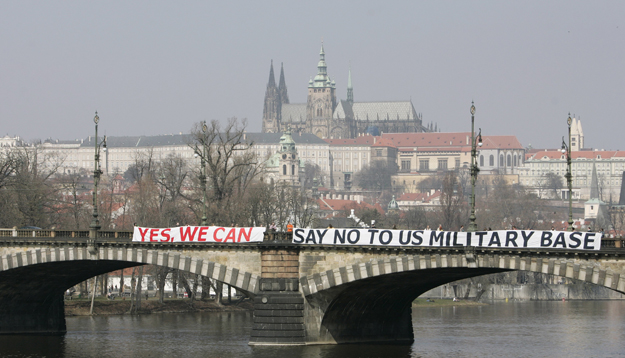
(311, 172)
(453, 205)
(376, 176)
(550, 184)
(230, 164)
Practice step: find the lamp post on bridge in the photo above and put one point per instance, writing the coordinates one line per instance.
(474, 168)
(203, 174)
(566, 149)
(94, 227)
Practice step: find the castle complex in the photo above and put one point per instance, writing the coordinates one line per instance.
(326, 117)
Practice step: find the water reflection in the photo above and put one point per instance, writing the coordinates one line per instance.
(530, 329)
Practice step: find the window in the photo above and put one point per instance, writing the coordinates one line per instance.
(292, 169)
(378, 152)
(509, 160)
(501, 160)
(405, 165)
(284, 169)
(424, 164)
(442, 164)
(491, 161)
(458, 163)
(481, 160)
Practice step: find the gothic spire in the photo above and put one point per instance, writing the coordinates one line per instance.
(322, 79)
(272, 78)
(284, 96)
(321, 66)
(594, 184)
(272, 108)
(350, 89)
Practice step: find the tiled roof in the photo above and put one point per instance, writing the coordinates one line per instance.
(425, 197)
(362, 140)
(585, 154)
(453, 139)
(500, 142)
(377, 111)
(428, 139)
(184, 139)
(366, 140)
(384, 142)
(274, 138)
(141, 141)
(295, 112)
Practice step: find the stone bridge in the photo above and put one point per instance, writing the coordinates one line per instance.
(302, 294)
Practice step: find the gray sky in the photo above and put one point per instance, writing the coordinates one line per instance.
(151, 67)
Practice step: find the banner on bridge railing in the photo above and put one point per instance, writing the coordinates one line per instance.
(199, 234)
(430, 238)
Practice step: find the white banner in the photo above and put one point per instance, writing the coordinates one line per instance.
(210, 234)
(431, 238)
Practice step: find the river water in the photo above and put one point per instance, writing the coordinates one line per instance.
(512, 329)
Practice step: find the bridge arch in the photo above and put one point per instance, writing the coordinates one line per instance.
(371, 299)
(114, 258)
(592, 271)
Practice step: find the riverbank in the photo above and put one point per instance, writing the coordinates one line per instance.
(81, 307)
(422, 302)
(101, 307)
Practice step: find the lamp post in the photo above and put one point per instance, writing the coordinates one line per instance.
(569, 175)
(474, 168)
(94, 227)
(203, 174)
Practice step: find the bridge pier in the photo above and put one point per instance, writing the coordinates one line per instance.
(24, 315)
(279, 306)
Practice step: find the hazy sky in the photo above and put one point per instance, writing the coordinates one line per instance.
(151, 67)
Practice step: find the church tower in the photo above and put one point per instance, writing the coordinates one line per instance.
(289, 168)
(577, 135)
(321, 102)
(273, 104)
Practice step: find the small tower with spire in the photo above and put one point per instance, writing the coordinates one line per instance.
(289, 160)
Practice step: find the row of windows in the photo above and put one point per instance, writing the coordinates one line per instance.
(510, 160)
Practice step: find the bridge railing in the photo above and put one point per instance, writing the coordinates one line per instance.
(270, 236)
(64, 233)
(613, 243)
(278, 236)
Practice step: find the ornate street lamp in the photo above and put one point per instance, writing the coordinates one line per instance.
(569, 175)
(203, 178)
(94, 227)
(474, 168)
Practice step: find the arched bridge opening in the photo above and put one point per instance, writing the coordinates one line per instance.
(371, 301)
(33, 282)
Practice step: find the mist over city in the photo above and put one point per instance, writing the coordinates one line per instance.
(312, 179)
(158, 68)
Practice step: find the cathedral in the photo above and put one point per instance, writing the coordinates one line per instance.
(326, 117)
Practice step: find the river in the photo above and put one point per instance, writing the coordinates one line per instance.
(512, 329)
